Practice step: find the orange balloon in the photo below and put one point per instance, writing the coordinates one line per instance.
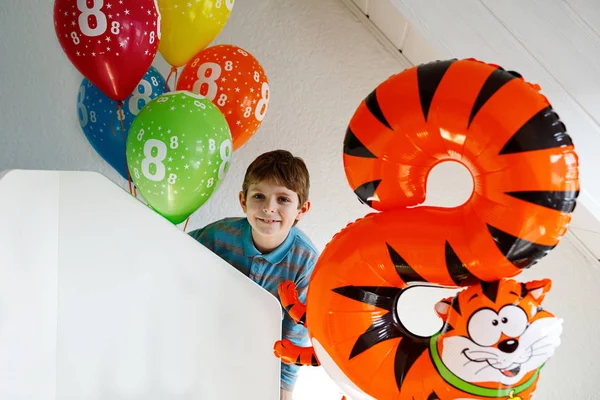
(488, 119)
(235, 82)
(525, 173)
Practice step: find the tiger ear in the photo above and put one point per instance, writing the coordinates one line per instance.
(442, 308)
(538, 289)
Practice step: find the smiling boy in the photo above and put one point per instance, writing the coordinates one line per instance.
(266, 245)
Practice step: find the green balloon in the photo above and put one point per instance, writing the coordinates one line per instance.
(178, 153)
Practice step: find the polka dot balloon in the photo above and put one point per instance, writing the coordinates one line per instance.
(178, 153)
(111, 42)
(235, 82)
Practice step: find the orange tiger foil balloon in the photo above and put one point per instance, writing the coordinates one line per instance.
(525, 174)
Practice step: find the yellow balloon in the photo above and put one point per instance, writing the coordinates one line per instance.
(188, 26)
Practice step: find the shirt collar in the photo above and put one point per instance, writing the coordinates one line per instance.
(274, 257)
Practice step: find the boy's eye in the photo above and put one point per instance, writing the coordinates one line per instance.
(258, 196)
(284, 199)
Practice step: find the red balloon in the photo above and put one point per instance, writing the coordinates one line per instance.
(111, 42)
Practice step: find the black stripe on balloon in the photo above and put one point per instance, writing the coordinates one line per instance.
(354, 147)
(382, 329)
(515, 74)
(560, 201)
(313, 361)
(456, 305)
(373, 106)
(433, 396)
(494, 82)
(524, 290)
(378, 296)
(298, 361)
(429, 77)
(457, 269)
(366, 191)
(302, 320)
(490, 290)
(522, 253)
(407, 353)
(403, 269)
(543, 131)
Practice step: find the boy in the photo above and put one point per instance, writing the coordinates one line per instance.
(266, 246)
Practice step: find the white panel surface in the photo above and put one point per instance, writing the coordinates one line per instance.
(104, 299)
(28, 284)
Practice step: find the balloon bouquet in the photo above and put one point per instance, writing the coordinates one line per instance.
(496, 336)
(181, 142)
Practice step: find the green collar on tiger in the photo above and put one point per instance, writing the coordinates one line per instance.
(470, 388)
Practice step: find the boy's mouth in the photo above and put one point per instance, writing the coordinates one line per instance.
(267, 220)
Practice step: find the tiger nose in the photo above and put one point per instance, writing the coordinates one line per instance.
(508, 346)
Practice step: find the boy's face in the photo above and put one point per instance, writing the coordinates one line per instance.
(272, 210)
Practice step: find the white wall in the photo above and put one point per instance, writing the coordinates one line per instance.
(321, 61)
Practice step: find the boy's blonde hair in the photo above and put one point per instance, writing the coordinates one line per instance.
(281, 168)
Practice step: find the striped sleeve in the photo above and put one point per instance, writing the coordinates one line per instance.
(205, 236)
(297, 333)
(302, 283)
(309, 256)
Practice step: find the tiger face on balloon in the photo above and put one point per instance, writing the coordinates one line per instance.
(494, 341)
(496, 336)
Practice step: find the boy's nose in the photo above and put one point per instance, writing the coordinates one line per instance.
(269, 207)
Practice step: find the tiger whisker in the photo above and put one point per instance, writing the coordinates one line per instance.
(541, 347)
(487, 366)
(542, 338)
(540, 354)
(482, 352)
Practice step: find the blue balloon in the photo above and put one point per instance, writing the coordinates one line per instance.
(106, 125)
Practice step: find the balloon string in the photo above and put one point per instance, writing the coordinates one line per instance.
(129, 179)
(121, 117)
(186, 222)
(173, 70)
(112, 129)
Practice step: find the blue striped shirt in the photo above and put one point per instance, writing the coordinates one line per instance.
(294, 259)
